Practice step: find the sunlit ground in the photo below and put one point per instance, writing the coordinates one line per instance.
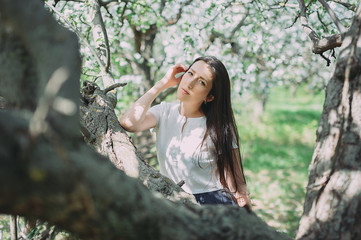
(277, 150)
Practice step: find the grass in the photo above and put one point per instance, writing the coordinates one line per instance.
(277, 149)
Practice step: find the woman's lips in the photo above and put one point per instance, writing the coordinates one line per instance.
(185, 91)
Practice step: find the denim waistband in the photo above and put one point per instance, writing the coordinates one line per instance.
(222, 196)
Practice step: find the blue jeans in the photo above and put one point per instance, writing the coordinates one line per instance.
(215, 197)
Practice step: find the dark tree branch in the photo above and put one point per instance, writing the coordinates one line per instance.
(327, 43)
(333, 16)
(162, 6)
(294, 21)
(319, 45)
(102, 3)
(321, 21)
(349, 6)
(326, 59)
(299, 14)
(122, 15)
(114, 86)
(97, 201)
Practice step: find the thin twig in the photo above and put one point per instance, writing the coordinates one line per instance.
(320, 19)
(294, 21)
(122, 15)
(112, 87)
(327, 59)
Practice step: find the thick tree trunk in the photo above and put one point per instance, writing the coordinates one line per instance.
(70, 186)
(332, 208)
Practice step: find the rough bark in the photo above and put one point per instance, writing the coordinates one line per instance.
(35, 63)
(101, 129)
(332, 207)
(75, 188)
(53, 175)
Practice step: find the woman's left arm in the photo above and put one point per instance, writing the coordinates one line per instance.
(241, 194)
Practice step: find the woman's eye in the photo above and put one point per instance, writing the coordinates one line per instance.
(190, 73)
(202, 82)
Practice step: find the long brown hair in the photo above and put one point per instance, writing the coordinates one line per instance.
(221, 126)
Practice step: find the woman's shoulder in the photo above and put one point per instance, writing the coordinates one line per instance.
(165, 109)
(169, 106)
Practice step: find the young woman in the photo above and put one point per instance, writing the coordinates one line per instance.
(197, 139)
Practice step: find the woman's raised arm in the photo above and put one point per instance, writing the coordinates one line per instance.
(137, 118)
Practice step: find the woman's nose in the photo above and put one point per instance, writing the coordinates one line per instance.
(191, 83)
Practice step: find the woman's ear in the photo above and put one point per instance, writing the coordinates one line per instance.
(210, 98)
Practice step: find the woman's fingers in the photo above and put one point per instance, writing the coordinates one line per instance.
(244, 201)
(180, 67)
(173, 75)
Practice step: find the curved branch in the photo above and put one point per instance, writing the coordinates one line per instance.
(327, 43)
(319, 45)
(114, 86)
(333, 16)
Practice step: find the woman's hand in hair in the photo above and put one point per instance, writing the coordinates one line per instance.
(171, 78)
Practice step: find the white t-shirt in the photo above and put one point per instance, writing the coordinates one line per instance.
(180, 154)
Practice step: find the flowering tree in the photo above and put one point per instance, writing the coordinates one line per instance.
(51, 174)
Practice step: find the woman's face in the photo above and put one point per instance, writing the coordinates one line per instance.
(196, 84)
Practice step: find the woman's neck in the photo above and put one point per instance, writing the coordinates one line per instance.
(190, 110)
